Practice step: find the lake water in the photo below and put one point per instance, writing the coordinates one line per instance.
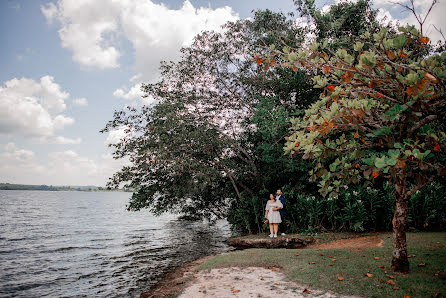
(87, 244)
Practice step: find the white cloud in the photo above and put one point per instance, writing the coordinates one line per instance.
(134, 93)
(115, 136)
(148, 100)
(60, 140)
(16, 163)
(31, 108)
(82, 102)
(384, 17)
(49, 11)
(90, 30)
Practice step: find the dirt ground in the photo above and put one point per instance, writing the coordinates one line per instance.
(352, 243)
(245, 282)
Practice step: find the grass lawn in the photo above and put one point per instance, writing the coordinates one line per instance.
(422, 281)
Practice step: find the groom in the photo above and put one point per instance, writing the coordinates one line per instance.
(282, 200)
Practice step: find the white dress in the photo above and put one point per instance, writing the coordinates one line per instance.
(274, 216)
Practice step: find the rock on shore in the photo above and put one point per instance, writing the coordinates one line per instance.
(280, 242)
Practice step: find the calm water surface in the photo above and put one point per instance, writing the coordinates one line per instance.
(86, 244)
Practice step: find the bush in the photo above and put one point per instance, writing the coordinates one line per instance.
(356, 209)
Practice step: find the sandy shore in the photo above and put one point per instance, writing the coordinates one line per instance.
(247, 282)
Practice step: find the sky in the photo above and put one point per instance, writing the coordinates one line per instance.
(67, 65)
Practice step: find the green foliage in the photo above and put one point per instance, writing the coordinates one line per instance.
(370, 117)
(358, 209)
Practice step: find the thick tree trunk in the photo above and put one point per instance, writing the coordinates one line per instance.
(400, 262)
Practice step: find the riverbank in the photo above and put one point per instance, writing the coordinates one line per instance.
(357, 267)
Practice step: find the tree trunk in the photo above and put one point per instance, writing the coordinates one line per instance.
(400, 262)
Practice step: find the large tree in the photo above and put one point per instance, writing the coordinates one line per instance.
(196, 151)
(378, 117)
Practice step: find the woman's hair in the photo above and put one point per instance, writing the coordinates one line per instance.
(274, 197)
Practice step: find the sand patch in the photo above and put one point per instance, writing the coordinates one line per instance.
(352, 243)
(246, 282)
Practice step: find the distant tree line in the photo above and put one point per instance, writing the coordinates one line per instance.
(10, 186)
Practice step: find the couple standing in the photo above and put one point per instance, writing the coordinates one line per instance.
(274, 212)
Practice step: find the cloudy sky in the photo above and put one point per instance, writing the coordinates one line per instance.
(67, 65)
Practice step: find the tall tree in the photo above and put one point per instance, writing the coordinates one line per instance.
(378, 117)
(195, 151)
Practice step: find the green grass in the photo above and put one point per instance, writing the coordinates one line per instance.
(352, 265)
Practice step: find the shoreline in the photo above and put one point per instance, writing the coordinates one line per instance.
(174, 281)
(177, 280)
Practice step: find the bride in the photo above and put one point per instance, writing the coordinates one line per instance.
(272, 215)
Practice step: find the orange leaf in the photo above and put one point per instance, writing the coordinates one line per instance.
(421, 265)
(273, 269)
(325, 69)
(375, 175)
(294, 68)
(391, 55)
(368, 274)
(390, 276)
(347, 77)
(379, 95)
(409, 91)
(235, 291)
(262, 278)
(375, 258)
(357, 166)
(382, 267)
(437, 147)
(390, 282)
(411, 256)
(306, 291)
(331, 88)
(277, 284)
(356, 135)
(334, 260)
(424, 39)
(195, 275)
(402, 55)
(436, 294)
(296, 255)
(401, 163)
(312, 263)
(395, 288)
(362, 140)
(340, 278)
(406, 296)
